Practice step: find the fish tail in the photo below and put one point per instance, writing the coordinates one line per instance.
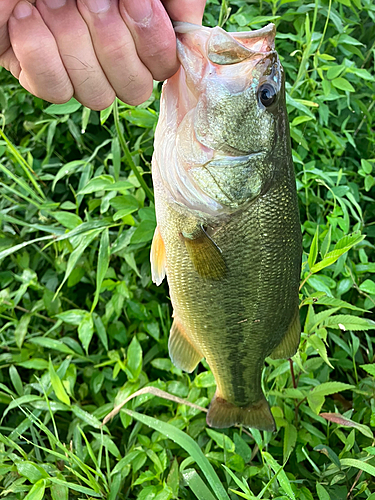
(223, 414)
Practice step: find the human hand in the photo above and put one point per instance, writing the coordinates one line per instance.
(92, 49)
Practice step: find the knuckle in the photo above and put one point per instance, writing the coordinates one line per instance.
(100, 101)
(136, 98)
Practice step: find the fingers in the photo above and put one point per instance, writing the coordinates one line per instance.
(188, 11)
(153, 34)
(92, 49)
(41, 70)
(116, 50)
(91, 87)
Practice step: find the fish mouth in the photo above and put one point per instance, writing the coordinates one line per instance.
(224, 48)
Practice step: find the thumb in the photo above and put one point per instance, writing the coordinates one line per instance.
(188, 11)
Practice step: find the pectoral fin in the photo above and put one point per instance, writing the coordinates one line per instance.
(205, 255)
(157, 258)
(182, 352)
(290, 342)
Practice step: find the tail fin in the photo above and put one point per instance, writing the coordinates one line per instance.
(223, 414)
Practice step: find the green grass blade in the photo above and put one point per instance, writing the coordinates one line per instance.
(197, 485)
(189, 445)
(23, 164)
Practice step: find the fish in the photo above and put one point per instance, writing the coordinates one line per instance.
(228, 235)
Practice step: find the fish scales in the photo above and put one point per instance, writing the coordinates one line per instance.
(232, 267)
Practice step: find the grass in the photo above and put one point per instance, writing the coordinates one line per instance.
(82, 328)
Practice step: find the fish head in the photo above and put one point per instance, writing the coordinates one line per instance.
(227, 107)
(238, 83)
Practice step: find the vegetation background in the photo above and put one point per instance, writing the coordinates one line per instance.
(82, 327)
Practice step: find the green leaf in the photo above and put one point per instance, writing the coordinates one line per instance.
(369, 182)
(57, 385)
(343, 84)
(358, 464)
(34, 364)
(341, 247)
(59, 492)
(281, 476)
(72, 317)
(322, 492)
(100, 183)
(51, 344)
(67, 219)
(16, 380)
(290, 439)
(63, 109)
(100, 330)
(328, 388)
(37, 491)
(370, 368)
(76, 487)
(77, 253)
(86, 417)
(301, 119)
(314, 249)
(368, 286)
(21, 329)
(173, 479)
(134, 359)
(242, 448)
(221, 440)
(144, 232)
(316, 397)
(31, 471)
(86, 331)
(105, 113)
(348, 322)
(326, 450)
(367, 166)
(334, 71)
(318, 344)
(103, 264)
(140, 117)
(189, 445)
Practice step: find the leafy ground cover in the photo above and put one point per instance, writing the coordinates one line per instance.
(82, 327)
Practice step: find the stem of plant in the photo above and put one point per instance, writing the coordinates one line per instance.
(127, 154)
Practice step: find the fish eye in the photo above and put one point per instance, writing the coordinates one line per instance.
(267, 94)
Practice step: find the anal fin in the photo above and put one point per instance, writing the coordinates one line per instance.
(205, 255)
(182, 352)
(157, 258)
(290, 342)
(222, 414)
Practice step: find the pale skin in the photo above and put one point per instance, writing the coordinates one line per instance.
(93, 50)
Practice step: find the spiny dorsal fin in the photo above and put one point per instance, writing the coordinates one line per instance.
(205, 255)
(158, 258)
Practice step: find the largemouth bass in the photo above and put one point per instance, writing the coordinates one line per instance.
(228, 235)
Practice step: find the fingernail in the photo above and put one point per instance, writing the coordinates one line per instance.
(97, 6)
(22, 10)
(55, 4)
(139, 10)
